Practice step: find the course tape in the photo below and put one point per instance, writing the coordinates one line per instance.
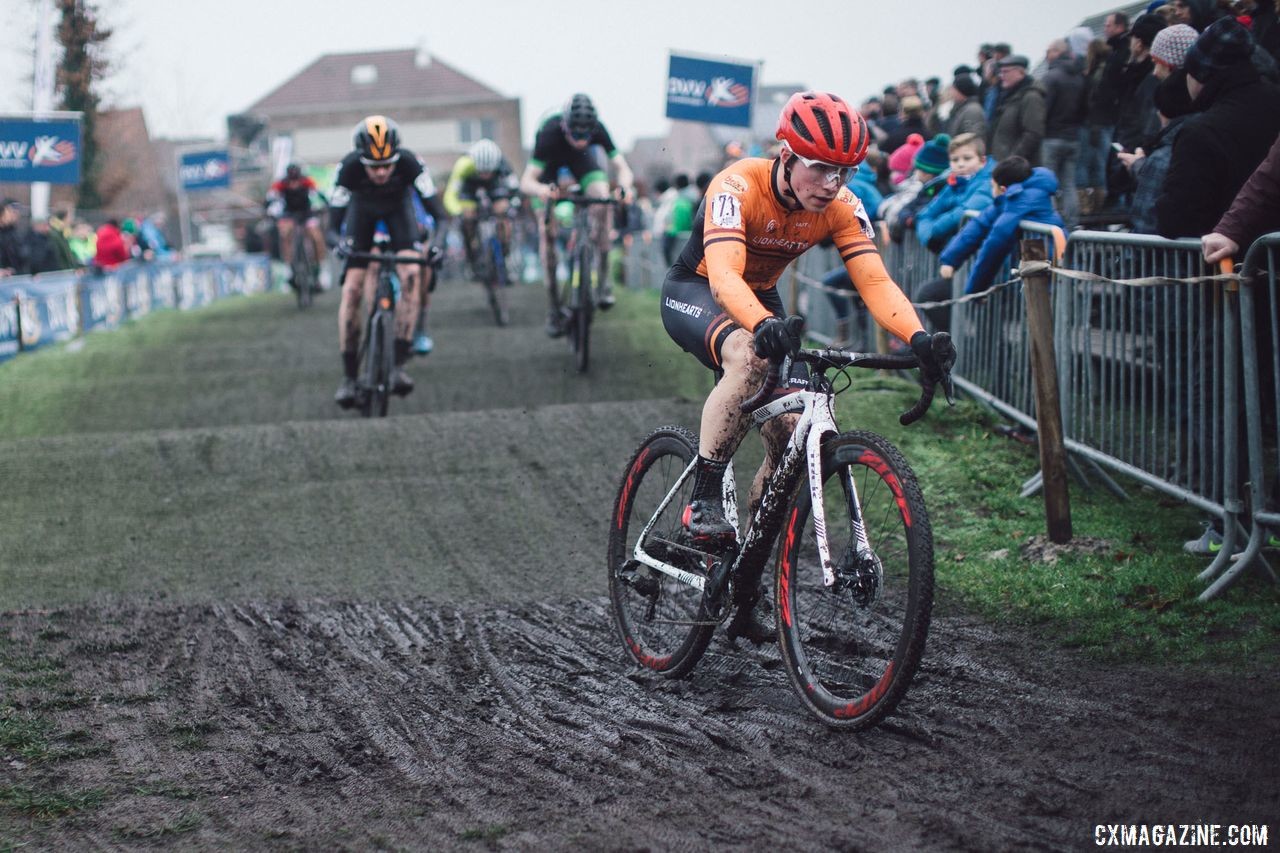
(1031, 268)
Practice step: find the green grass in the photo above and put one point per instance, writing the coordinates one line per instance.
(49, 804)
(1134, 599)
(42, 392)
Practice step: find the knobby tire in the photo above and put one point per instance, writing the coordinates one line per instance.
(851, 656)
(652, 610)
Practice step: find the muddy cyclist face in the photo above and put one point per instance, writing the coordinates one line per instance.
(380, 173)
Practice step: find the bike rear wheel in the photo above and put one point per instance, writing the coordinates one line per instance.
(852, 649)
(661, 620)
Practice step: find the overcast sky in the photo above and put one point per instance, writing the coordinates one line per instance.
(189, 63)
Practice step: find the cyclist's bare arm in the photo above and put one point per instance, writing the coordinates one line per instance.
(531, 186)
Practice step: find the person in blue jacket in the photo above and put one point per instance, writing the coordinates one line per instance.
(1021, 193)
(968, 187)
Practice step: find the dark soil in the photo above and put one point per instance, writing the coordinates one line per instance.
(303, 631)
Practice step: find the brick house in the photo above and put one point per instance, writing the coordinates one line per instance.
(440, 110)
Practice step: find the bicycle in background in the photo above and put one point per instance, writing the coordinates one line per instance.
(491, 267)
(578, 291)
(377, 347)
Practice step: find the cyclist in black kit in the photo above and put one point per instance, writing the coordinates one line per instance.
(576, 140)
(377, 181)
(290, 203)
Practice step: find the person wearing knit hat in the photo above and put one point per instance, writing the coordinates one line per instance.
(902, 159)
(1224, 43)
(1237, 119)
(932, 157)
(1169, 48)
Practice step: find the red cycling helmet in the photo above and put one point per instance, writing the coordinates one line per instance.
(821, 126)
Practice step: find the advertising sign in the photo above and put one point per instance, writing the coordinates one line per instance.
(710, 91)
(40, 151)
(204, 170)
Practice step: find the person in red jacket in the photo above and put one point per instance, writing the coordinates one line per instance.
(112, 249)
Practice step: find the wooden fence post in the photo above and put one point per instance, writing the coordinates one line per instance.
(1053, 455)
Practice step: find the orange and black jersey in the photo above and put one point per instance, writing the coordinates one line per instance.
(744, 236)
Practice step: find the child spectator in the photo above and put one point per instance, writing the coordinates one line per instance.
(111, 249)
(967, 187)
(902, 159)
(1021, 192)
(898, 210)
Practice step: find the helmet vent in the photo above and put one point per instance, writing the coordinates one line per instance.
(797, 124)
(846, 130)
(824, 125)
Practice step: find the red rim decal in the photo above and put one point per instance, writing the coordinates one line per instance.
(784, 597)
(873, 461)
(630, 484)
(854, 709)
(651, 661)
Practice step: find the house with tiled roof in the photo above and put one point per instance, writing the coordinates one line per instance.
(440, 109)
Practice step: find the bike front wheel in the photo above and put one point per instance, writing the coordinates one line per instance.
(661, 620)
(304, 270)
(852, 649)
(583, 309)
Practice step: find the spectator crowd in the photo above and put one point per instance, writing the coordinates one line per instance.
(1155, 126)
(32, 245)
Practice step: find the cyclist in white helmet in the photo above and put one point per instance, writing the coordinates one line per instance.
(482, 168)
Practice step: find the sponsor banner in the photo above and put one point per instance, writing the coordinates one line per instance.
(44, 151)
(57, 306)
(204, 170)
(709, 91)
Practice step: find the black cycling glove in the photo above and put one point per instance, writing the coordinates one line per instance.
(776, 338)
(937, 355)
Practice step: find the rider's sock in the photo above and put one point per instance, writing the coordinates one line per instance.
(350, 364)
(402, 351)
(708, 479)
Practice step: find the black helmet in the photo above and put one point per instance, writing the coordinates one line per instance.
(579, 117)
(377, 139)
(293, 171)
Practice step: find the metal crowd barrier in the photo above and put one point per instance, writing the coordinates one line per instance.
(1260, 362)
(40, 310)
(1149, 374)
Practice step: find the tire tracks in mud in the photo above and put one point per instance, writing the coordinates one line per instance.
(421, 722)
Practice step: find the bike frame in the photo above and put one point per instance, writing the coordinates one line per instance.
(817, 419)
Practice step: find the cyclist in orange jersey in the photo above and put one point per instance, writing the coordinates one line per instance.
(720, 302)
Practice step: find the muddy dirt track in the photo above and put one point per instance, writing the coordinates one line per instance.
(268, 627)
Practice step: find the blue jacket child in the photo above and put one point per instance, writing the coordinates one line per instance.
(941, 219)
(993, 233)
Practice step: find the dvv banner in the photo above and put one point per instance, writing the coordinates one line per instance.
(40, 151)
(710, 91)
(205, 170)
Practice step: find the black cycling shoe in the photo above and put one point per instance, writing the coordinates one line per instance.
(401, 383)
(346, 396)
(605, 299)
(705, 522)
(557, 324)
(748, 624)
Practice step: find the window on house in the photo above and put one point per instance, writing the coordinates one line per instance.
(364, 75)
(470, 130)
